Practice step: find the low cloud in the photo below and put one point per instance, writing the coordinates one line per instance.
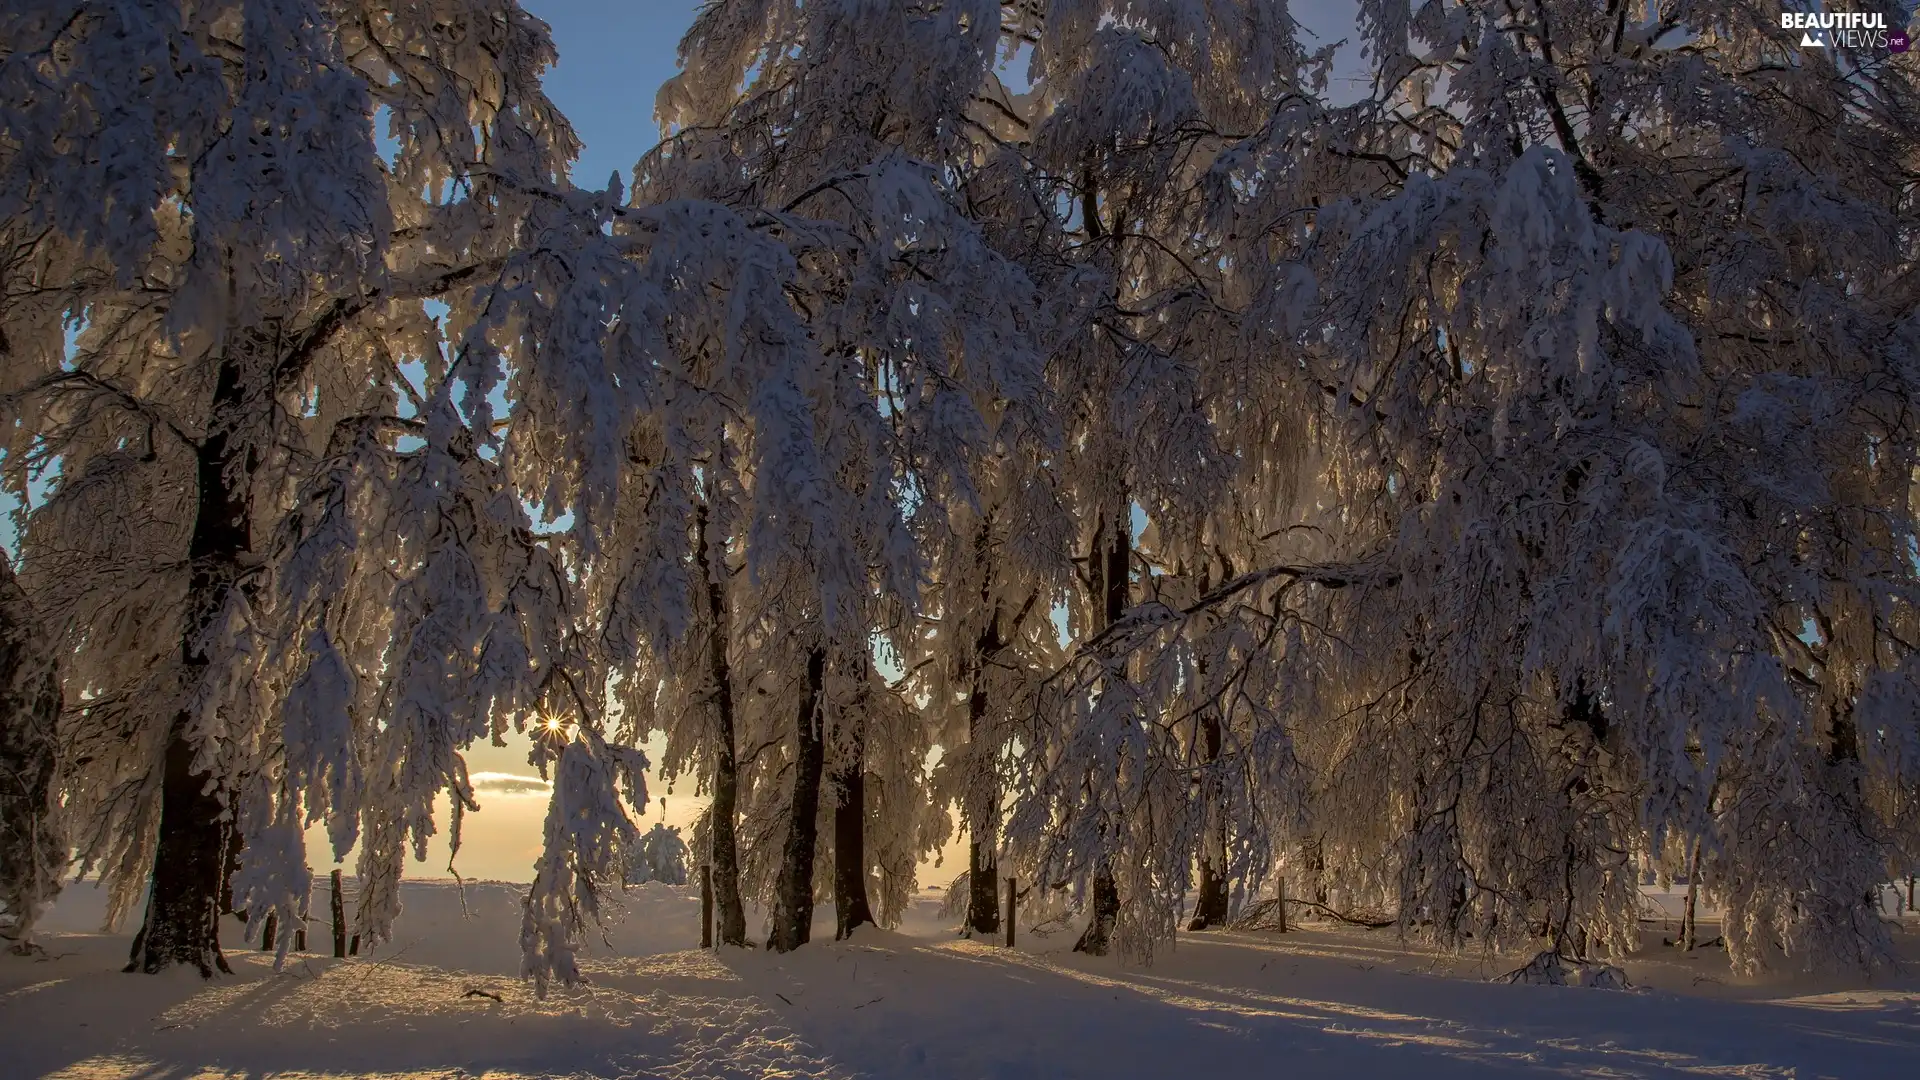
(506, 783)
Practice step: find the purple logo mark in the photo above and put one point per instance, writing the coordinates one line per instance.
(1898, 41)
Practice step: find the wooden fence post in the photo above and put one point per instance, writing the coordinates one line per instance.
(339, 920)
(706, 905)
(1012, 894)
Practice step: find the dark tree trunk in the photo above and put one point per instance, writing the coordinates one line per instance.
(982, 809)
(793, 889)
(706, 906)
(1210, 909)
(33, 854)
(184, 902)
(339, 912)
(1688, 915)
(983, 894)
(1097, 938)
(1315, 858)
(1115, 561)
(236, 843)
(983, 897)
(723, 846)
(850, 905)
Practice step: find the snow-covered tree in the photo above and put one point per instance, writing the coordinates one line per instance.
(1452, 499)
(1605, 541)
(284, 545)
(867, 346)
(660, 855)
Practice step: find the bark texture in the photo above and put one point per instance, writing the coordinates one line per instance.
(185, 899)
(1113, 560)
(723, 814)
(793, 890)
(1210, 908)
(850, 903)
(980, 811)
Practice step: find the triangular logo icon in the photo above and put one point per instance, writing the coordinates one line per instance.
(1809, 41)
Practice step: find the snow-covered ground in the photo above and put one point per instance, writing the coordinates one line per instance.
(917, 1003)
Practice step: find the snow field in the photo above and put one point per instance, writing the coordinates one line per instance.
(1317, 1002)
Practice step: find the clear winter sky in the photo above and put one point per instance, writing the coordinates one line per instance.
(614, 54)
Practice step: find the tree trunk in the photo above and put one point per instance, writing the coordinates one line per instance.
(1097, 938)
(33, 853)
(706, 906)
(1687, 915)
(184, 901)
(983, 896)
(850, 905)
(339, 919)
(793, 889)
(1115, 563)
(981, 813)
(236, 843)
(723, 846)
(983, 903)
(183, 904)
(1211, 907)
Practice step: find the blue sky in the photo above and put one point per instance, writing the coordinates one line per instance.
(614, 54)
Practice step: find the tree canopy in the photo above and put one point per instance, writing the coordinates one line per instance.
(1468, 496)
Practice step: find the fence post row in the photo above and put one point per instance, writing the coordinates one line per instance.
(343, 945)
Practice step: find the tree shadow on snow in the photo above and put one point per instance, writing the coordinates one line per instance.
(889, 1006)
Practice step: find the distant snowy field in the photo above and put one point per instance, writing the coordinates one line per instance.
(918, 1003)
